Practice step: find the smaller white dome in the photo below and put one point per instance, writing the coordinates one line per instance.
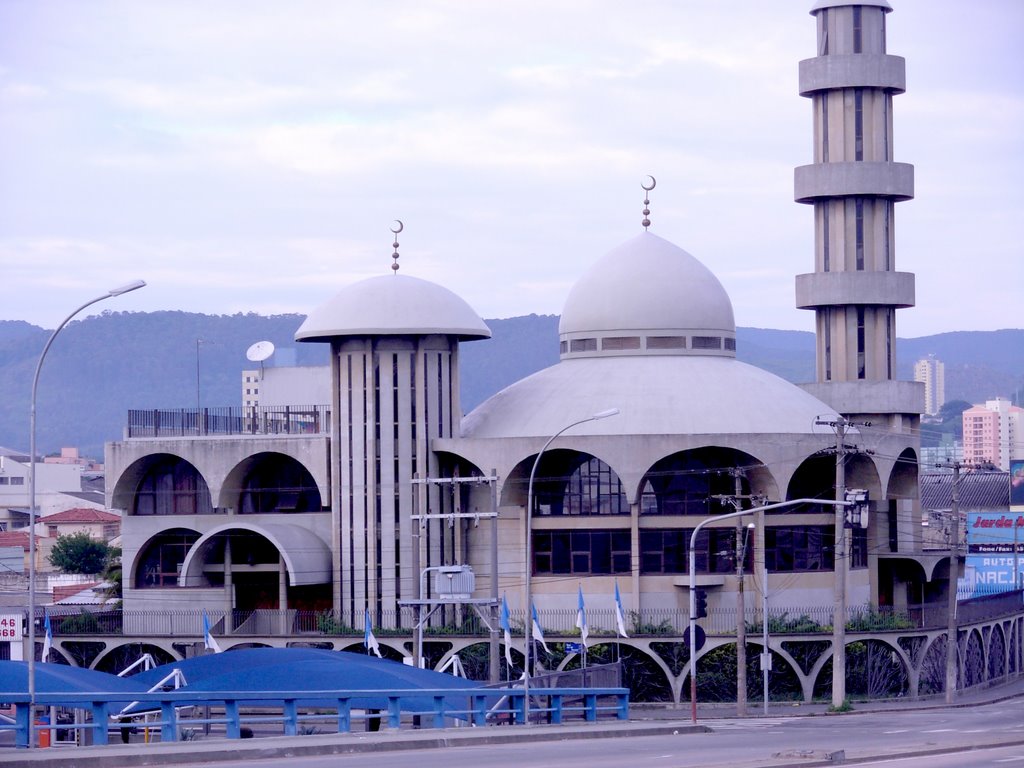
(393, 305)
(647, 296)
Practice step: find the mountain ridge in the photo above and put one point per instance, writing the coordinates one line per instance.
(105, 364)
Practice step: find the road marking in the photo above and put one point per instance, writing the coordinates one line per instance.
(744, 725)
(977, 730)
(1008, 759)
(898, 730)
(940, 730)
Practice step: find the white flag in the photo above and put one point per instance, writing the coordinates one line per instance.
(369, 640)
(581, 618)
(538, 633)
(209, 642)
(507, 626)
(620, 615)
(47, 640)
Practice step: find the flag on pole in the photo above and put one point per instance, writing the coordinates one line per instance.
(507, 626)
(620, 615)
(581, 617)
(208, 640)
(369, 641)
(47, 639)
(538, 633)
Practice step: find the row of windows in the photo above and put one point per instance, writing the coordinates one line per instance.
(788, 549)
(11, 480)
(614, 343)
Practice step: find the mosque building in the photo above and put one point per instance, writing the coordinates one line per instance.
(366, 503)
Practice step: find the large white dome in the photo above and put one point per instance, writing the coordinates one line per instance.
(647, 296)
(393, 305)
(656, 395)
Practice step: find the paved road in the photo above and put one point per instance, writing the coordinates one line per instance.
(742, 743)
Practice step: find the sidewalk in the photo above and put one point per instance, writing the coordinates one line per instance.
(645, 720)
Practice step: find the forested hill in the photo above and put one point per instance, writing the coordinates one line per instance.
(104, 365)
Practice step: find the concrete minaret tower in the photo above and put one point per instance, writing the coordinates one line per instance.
(853, 185)
(394, 388)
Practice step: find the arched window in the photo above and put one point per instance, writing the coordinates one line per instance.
(278, 483)
(159, 562)
(172, 486)
(588, 488)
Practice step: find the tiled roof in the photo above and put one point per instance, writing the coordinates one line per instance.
(978, 490)
(15, 539)
(81, 515)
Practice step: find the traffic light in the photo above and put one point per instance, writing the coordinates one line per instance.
(702, 603)
(857, 515)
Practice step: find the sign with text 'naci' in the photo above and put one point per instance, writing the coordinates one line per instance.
(991, 537)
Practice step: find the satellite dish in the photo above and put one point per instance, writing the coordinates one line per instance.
(260, 351)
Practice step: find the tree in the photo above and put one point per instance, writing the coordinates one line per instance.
(80, 553)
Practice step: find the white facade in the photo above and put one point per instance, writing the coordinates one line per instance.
(932, 373)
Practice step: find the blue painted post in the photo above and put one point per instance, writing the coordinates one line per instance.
(169, 726)
(291, 717)
(623, 712)
(439, 711)
(100, 714)
(394, 711)
(344, 715)
(519, 704)
(234, 721)
(23, 720)
(590, 707)
(479, 704)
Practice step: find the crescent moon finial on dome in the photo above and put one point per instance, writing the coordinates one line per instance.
(647, 185)
(396, 229)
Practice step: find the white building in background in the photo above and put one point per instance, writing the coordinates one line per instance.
(286, 385)
(932, 373)
(58, 487)
(993, 433)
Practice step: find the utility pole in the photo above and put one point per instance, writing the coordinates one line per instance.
(840, 425)
(954, 569)
(741, 609)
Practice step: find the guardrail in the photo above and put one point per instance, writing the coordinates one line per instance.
(561, 623)
(230, 420)
(481, 707)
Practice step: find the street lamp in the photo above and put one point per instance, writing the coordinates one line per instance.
(133, 286)
(529, 554)
(693, 581)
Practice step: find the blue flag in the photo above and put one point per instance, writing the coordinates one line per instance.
(620, 615)
(581, 618)
(208, 640)
(369, 641)
(538, 633)
(507, 626)
(47, 640)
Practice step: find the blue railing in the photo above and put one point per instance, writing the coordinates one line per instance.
(432, 707)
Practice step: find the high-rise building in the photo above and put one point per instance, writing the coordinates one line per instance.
(992, 433)
(932, 373)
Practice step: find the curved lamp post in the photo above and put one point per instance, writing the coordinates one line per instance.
(529, 553)
(133, 286)
(693, 587)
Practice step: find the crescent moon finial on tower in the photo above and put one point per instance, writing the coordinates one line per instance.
(647, 185)
(396, 229)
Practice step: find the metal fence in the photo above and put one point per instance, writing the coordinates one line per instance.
(337, 710)
(556, 623)
(230, 420)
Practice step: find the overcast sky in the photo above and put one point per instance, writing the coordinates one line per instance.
(241, 155)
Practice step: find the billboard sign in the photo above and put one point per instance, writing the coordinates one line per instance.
(10, 626)
(991, 538)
